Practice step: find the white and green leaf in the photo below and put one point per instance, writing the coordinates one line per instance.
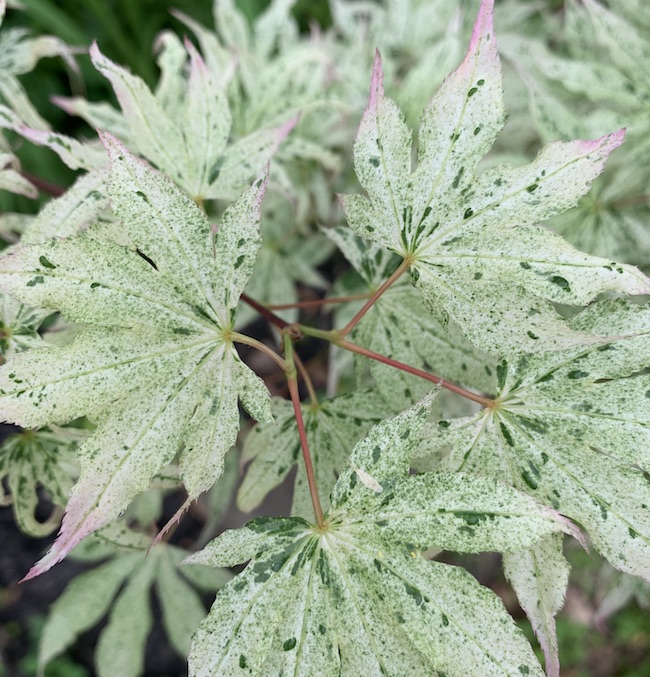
(572, 429)
(154, 368)
(476, 254)
(351, 597)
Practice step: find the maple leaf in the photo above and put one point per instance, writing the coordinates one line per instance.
(155, 367)
(32, 459)
(355, 596)
(121, 588)
(572, 429)
(476, 255)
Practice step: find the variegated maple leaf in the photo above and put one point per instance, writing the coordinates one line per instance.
(573, 429)
(155, 366)
(355, 596)
(475, 252)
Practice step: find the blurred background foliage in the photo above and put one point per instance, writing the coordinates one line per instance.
(618, 646)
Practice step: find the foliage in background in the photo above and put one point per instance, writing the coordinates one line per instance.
(466, 275)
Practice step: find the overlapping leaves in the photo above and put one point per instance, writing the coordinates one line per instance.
(572, 429)
(155, 367)
(356, 596)
(333, 427)
(476, 255)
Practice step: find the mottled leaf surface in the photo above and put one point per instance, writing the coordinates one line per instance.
(333, 427)
(572, 429)
(540, 577)
(356, 596)
(154, 366)
(31, 460)
(476, 253)
(399, 326)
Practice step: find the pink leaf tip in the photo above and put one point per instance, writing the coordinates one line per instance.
(484, 23)
(377, 82)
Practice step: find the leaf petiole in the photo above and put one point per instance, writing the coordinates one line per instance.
(258, 345)
(292, 382)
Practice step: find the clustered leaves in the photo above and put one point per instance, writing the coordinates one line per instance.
(177, 233)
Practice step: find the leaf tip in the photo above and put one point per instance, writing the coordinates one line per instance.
(377, 82)
(484, 24)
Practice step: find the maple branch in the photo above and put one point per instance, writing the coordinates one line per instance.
(264, 312)
(258, 345)
(306, 378)
(352, 347)
(318, 302)
(403, 267)
(292, 382)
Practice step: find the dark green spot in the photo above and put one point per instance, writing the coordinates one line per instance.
(576, 374)
(39, 279)
(182, 330)
(481, 82)
(472, 92)
(560, 282)
(531, 335)
(445, 620)
(506, 435)
(468, 212)
(289, 644)
(374, 161)
(44, 262)
(529, 479)
(532, 188)
(524, 669)
(139, 193)
(239, 261)
(477, 130)
(632, 532)
(524, 265)
(94, 285)
(242, 661)
(322, 629)
(376, 453)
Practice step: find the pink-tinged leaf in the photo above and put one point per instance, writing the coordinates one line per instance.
(477, 253)
(382, 153)
(154, 368)
(540, 576)
(158, 138)
(73, 153)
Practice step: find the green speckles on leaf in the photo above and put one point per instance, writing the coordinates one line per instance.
(39, 279)
(469, 212)
(289, 644)
(44, 262)
(374, 161)
(575, 374)
(561, 282)
(243, 663)
(506, 434)
(471, 92)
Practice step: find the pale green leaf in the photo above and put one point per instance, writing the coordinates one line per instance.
(573, 429)
(19, 326)
(82, 605)
(182, 609)
(540, 576)
(120, 649)
(154, 369)
(158, 138)
(82, 205)
(12, 180)
(467, 237)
